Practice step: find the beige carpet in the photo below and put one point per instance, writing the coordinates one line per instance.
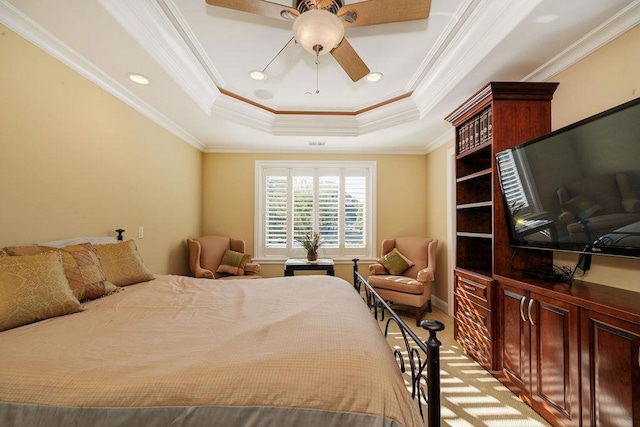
(470, 396)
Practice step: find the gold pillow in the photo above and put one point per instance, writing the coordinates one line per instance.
(233, 263)
(395, 263)
(122, 264)
(81, 266)
(33, 288)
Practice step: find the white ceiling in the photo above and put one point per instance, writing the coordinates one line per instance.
(198, 58)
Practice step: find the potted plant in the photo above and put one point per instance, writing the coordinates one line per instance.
(310, 242)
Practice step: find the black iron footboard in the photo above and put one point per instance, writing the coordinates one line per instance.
(416, 351)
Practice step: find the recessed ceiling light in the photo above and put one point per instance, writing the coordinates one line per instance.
(374, 77)
(257, 75)
(139, 78)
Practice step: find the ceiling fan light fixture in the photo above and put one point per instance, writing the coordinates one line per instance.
(318, 31)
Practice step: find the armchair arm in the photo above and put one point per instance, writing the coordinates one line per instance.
(377, 269)
(194, 260)
(426, 275)
(252, 268)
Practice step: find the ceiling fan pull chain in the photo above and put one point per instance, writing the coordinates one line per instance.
(317, 71)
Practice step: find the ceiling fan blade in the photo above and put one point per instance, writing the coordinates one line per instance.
(350, 61)
(374, 12)
(258, 7)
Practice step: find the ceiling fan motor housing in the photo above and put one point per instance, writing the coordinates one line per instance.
(332, 6)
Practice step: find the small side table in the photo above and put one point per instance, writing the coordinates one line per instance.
(293, 264)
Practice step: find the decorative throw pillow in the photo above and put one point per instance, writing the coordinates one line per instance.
(122, 264)
(395, 263)
(81, 266)
(233, 263)
(33, 288)
(582, 207)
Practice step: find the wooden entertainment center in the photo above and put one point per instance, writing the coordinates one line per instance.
(571, 351)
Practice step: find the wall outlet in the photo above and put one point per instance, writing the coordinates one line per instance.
(140, 232)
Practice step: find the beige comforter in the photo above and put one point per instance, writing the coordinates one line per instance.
(179, 351)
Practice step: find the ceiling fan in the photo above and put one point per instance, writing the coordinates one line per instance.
(318, 25)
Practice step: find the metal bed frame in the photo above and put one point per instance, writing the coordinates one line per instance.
(416, 350)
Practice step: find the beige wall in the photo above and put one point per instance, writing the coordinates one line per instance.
(437, 216)
(229, 189)
(76, 161)
(604, 79)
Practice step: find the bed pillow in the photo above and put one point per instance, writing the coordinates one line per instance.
(81, 266)
(233, 263)
(395, 263)
(34, 288)
(122, 264)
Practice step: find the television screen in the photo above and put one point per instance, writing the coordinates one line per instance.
(578, 188)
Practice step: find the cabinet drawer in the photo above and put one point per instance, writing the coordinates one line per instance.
(478, 346)
(474, 287)
(477, 316)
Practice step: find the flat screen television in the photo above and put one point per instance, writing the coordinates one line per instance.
(577, 189)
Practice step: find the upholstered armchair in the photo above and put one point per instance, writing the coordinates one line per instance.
(405, 272)
(218, 257)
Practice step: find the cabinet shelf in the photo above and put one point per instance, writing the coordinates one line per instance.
(470, 152)
(474, 235)
(480, 174)
(475, 205)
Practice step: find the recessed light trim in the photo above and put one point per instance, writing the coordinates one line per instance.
(374, 77)
(257, 75)
(139, 78)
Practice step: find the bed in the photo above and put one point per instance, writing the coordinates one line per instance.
(181, 351)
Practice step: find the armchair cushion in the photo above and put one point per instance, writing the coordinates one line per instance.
(402, 284)
(233, 263)
(395, 263)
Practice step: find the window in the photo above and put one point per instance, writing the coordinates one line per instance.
(334, 198)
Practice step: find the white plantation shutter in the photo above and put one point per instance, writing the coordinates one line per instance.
(329, 210)
(276, 212)
(334, 198)
(303, 206)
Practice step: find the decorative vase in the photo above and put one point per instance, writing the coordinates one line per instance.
(312, 256)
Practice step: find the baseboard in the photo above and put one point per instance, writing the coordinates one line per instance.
(440, 304)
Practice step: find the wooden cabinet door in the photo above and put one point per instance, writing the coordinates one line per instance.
(515, 336)
(555, 373)
(610, 370)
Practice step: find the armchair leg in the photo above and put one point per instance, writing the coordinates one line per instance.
(421, 310)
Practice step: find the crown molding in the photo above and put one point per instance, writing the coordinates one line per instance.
(481, 26)
(167, 43)
(25, 27)
(614, 27)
